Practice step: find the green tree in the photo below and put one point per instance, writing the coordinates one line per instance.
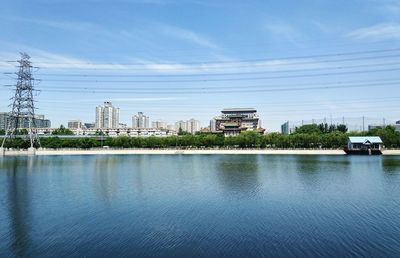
(308, 129)
(62, 131)
(182, 132)
(342, 128)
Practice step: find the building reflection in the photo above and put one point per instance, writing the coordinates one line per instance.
(239, 173)
(105, 176)
(18, 203)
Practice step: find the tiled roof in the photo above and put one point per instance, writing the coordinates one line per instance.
(363, 139)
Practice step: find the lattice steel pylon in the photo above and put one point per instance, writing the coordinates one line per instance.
(23, 108)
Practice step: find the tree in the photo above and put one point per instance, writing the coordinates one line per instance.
(181, 132)
(62, 131)
(308, 129)
(388, 135)
(342, 128)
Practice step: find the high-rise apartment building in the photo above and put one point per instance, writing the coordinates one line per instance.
(107, 116)
(193, 126)
(159, 125)
(180, 125)
(213, 125)
(140, 121)
(171, 127)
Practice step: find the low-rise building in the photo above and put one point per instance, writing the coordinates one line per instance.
(397, 126)
(375, 126)
(364, 143)
(23, 122)
(74, 124)
(112, 132)
(89, 125)
(233, 121)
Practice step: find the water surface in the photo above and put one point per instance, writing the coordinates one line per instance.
(199, 205)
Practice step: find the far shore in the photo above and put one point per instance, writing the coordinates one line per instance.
(49, 152)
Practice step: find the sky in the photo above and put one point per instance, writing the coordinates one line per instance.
(182, 59)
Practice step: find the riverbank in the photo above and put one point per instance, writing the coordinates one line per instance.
(49, 152)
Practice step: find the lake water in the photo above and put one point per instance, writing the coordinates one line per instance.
(200, 205)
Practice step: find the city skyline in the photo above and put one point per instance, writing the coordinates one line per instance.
(176, 65)
(200, 128)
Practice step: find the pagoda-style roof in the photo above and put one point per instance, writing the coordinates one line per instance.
(238, 110)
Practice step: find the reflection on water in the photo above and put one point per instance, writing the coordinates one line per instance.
(308, 164)
(312, 170)
(390, 165)
(239, 173)
(104, 176)
(200, 205)
(18, 203)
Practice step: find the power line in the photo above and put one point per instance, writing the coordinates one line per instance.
(202, 88)
(229, 79)
(217, 74)
(169, 109)
(360, 110)
(282, 89)
(177, 67)
(168, 106)
(239, 61)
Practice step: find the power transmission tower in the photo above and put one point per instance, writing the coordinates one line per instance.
(23, 108)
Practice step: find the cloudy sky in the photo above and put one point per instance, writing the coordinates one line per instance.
(173, 60)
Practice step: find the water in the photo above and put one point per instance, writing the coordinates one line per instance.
(200, 205)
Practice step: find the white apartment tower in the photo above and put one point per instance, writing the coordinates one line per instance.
(158, 124)
(213, 125)
(180, 125)
(193, 126)
(140, 121)
(107, 116)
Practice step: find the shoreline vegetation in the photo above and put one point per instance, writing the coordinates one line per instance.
(307, 138)
(107, 151)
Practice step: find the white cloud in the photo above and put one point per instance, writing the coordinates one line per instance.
(153, 99)
(53, 61)
(282, 30)
(383, 31)
(188, 35)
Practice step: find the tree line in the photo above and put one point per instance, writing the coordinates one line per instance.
(304, 137)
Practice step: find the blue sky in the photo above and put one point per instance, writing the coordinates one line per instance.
(173, 60)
